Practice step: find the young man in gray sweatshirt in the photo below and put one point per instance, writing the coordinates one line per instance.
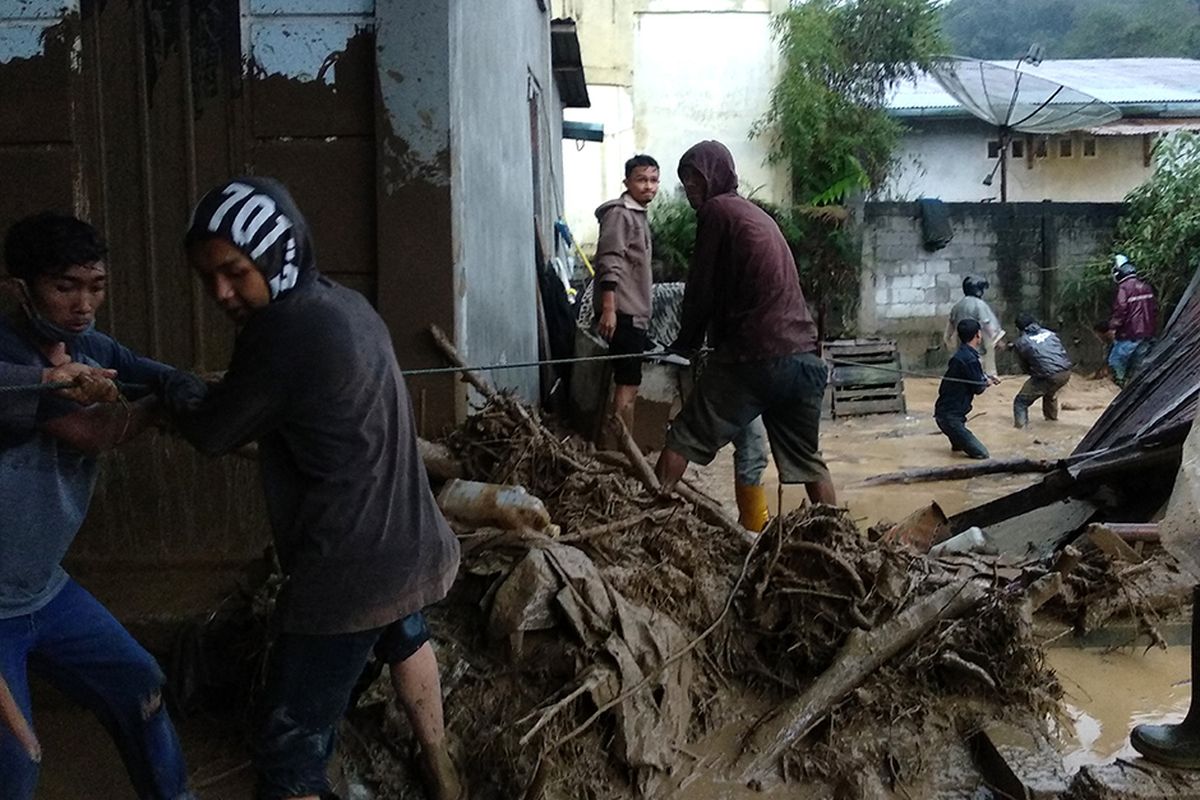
(624, 285)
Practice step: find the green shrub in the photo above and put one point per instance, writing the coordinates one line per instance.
(673, 236)
(1159, 232)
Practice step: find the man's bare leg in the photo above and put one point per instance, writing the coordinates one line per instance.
(624, 398)
(822, 491)
(419, 690)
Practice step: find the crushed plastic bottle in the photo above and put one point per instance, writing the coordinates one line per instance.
(501, 505)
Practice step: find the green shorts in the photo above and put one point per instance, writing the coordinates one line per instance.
(787, 391)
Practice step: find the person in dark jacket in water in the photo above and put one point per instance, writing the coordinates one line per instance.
(963, 380)
(1042, 355)
(363, 547)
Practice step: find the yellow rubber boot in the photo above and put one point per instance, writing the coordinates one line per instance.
(752, 506)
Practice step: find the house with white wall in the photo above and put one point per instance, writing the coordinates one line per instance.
(662, 75)
(947, 153)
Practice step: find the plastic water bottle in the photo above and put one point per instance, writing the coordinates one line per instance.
(502, 505)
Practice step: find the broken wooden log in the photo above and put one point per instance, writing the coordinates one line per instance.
(1132, 531)
(1011, 466)
(862, 654)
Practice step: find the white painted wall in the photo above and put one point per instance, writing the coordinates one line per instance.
(662, 75)
(706, 75)
(949, 160)
(593, 171)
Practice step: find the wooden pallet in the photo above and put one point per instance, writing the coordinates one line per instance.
(870, 384)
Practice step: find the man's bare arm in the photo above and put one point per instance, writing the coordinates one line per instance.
(103, 426)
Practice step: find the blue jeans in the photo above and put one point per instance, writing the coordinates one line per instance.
(1119, 356)
(75, 644)
(960, 438)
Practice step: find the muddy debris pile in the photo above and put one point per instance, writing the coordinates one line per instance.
(1105, 577)
(586, 659)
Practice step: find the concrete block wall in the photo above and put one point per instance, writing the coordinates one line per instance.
(1024, 250)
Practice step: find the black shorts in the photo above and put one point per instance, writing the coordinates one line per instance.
(627, 339)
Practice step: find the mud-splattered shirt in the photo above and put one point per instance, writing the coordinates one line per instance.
(45, 484)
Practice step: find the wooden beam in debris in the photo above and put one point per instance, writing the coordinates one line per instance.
(862, 654)
(958, 472)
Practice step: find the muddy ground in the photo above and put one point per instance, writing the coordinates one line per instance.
(80, 762)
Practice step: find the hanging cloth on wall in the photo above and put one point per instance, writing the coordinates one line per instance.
(936, 231)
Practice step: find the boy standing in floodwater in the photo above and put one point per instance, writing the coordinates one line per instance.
(963, 380)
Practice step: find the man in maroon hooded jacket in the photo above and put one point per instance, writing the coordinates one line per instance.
(744, 292)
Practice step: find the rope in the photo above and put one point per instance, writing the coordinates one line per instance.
(126, 388)
(53, 386)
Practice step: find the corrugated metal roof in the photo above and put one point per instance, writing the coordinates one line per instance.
(1120, 81)
(567, 63)
(1137, 126)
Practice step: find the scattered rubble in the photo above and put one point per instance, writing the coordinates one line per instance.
(583, 664)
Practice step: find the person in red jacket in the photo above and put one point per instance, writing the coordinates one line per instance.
(1133, 322)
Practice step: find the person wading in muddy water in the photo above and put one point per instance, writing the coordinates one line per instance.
(313, 379)
(624, 285)
(49, 442)
(973, 306)
(963, 380)
(743, 289)
(1042, 354)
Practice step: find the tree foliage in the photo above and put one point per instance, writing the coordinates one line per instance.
(1000, 29)
(840, 60)
(1160, 233)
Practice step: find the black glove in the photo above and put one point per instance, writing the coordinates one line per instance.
(181, 392)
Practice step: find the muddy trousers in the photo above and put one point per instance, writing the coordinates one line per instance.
(76, 645)
(1047, 389)
(961, 439)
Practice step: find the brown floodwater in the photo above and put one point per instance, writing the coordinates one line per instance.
(1110, 692)
(860, 447)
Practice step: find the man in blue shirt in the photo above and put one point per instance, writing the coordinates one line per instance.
(963, 380)
(48, 446)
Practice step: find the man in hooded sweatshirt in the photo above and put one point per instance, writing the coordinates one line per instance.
(363, 547)
(744, 291)
(624, 293)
